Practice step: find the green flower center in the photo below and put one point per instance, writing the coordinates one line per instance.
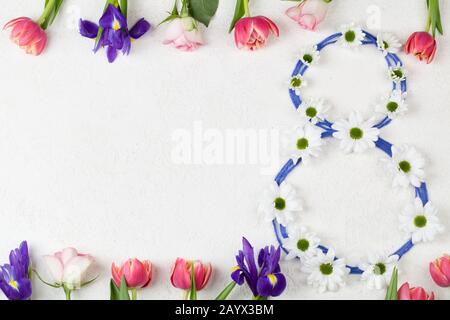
(420, 221)
(392, 106)
(303, 245)
(379, 268)
(356, 133)
(350, 36)
(308, 58)
(296, 82)
(397, 73)
(405, 166)
(280, 204)
(302, 144)
(326, 268)
(311, 112)
(385, 45)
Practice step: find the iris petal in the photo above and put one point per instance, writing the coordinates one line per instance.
(140, 28)
(88, 29)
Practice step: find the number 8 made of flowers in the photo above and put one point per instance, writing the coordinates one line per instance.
(281, 204)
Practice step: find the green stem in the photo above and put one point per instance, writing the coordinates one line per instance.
(259, 298)
(185, 9)
(124, 8)
(246, 9)
(226, 292)
(47, 11)
(67, 292)
(134, 294)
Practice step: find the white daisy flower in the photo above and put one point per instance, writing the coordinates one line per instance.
(420, 222)
(407, 165)
(313, 110)
(303, 142)
(309, 56)
(393, 105)
(297, 82)
(301, 244)
(388, 43)
(352, 36)
(280, 203)
(356, 134)
(326, 273)
(378, 270)
(397, 73)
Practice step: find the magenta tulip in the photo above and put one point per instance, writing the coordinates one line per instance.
(440, 271)
(28, 35)
(309, 14)
(407, 293)
(422, 45)
(252, 33)
(182, 273)
(138, 274)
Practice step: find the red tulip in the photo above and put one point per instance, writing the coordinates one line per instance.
(407, 293)
(182, 273)
(138, 274)
(28, 35)
(252, 32)
(440, 271)
(422, 45)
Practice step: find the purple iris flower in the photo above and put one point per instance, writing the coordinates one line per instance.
(114, 33)
(15, 276)
(265, 279)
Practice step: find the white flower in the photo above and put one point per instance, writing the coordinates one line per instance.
(356, 135)
(326, 273)
(309, 56)
(313, 110)
(393, 105)
(352, 36)
(378, 270)
(388, 43)
(419, 222)
(301, 244)
(297, 82)
(397, 73)
(303, 142)
(407, 165)
(280, 203)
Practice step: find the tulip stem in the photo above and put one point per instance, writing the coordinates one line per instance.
(134, 294)
(246, 8)
(47, 11)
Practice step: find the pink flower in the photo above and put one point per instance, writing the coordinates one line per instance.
(69, 268)
(28, 35)
(407, 293)
(309, 14)
(182, 271)
(422, 45)
(252, 32)
(138, 274)
(184, 34)
(440, 271)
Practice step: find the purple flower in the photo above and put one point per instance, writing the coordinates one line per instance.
(113, 32)
(14, 277)
(265, 281)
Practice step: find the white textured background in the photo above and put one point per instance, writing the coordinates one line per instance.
(85, 147)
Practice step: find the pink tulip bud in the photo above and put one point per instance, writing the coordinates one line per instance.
(138, 274)
(182, 274)
(183, 34)
(440, 271)
(309, 14)
(252, 32)
(407, 293)
(422, 45)
(28, 35)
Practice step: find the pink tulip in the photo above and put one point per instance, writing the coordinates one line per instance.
(138, 274)
(440, 271)
(183, 33)
(252, 32)
(422, 45)
(407, 293)
(309, 14)
(28, 35)
(182, 273)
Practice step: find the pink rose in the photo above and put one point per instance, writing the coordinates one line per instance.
(183, 33)
(309, 14)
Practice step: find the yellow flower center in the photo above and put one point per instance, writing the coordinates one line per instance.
(116, 25)
(13, 284)
(272, 279)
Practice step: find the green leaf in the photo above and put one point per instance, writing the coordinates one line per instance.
(114, 291)
(391, 293)
(172, 15)
(226, 292)
(123, 290)
(193, 292)
(203, 10)
(124, 7)
(239, 12)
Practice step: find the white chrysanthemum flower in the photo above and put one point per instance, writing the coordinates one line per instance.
(314, 110)
(280, 203)
(378, 270)
(356, 134)
(393, 105)
(397, 73)
(301, 244)
(407, 165)
(303, 142)
(388, 43)
(309, 56)
(325, 272)
(420, 222)
(297, 82)
(352, 36)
